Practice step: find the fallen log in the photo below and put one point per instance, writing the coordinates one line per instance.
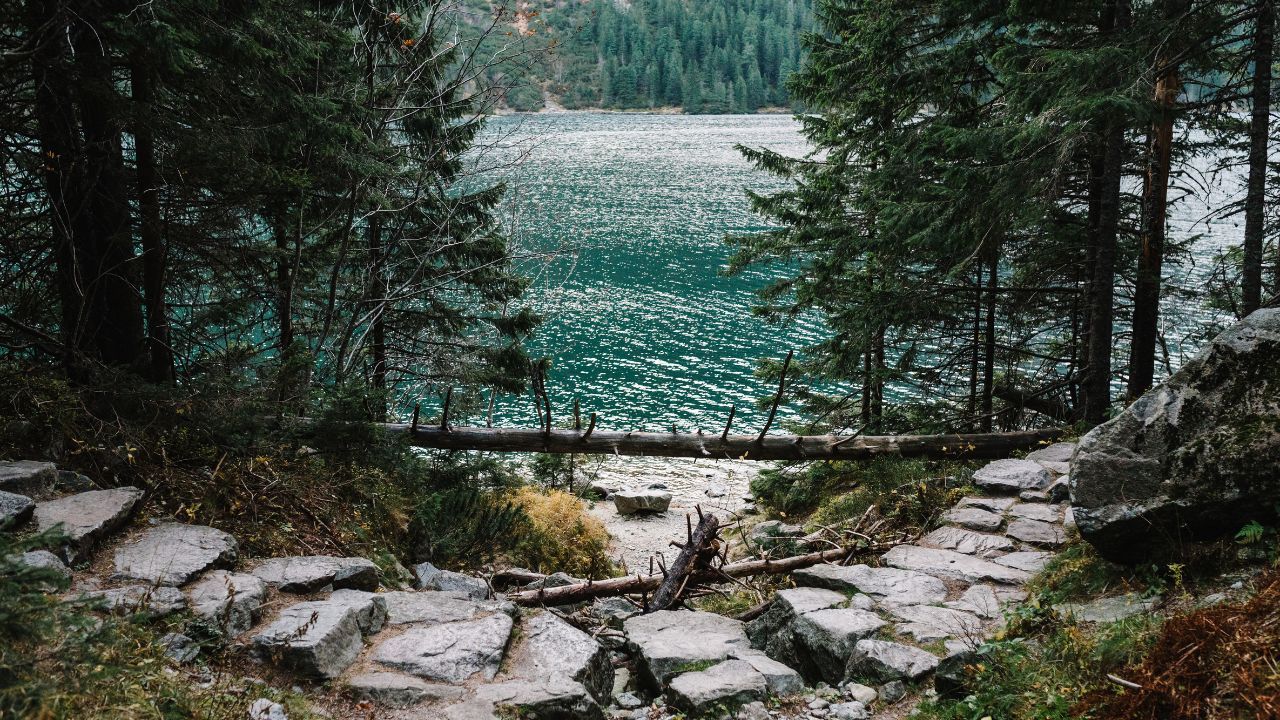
(635, 584)
(743, 447)
(696, 555)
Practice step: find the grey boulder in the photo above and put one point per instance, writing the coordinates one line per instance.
(228, 600)
(435, 607)
(431, 577)
(86, 517)
(398, 690)
(824, 640)
(50, 562)
(318, 639)
(449, 652)
(312, 573)
(551, 647)
(668, 641)
(1195, 457)
(173, 553)
(948, 563)
(559, 699)
(891, 586)
(968, 542)
(1012, 476)
(28, 477)
(629, 502)
(881, 661)
(727, 684)
(15, 509)
(141, 599)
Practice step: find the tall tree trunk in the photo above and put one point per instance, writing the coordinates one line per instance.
(284, 280)
(1259, 135)
(378, 292)
(1097, 155)
(989, 342)
(1102, 308)
(1155, 211)
(153, 251)
(975, 349)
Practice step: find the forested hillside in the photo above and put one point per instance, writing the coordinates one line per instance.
(714, 56)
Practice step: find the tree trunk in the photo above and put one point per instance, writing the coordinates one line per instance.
(975, 350)
(378, 292)
(153, 251)
(284, 281)
(989, 347)
(695, 556)
(1259, 136)
(1155, 206)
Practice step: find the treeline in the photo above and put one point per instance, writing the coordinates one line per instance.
(984, 224)
(255, 190)
(714, 56)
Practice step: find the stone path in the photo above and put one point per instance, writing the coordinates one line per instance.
(450, 651)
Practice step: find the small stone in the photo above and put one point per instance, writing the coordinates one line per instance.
(754, 710)
(613, 610)
(818, 704)
(86, 517)
(850, 711)
(893, 691)
(559, 699)
(1036, 532)
(71, 481)
(630, 502)
(883, 661)
(627, 701)
(179, 648)
(860, 693)
(967, 541)
(716, 491)
(449, 652)
(229, 600)
(312, 573)
(15, 509)
(1060, 490)
(1034, 496)
(973, 518)
(173, 553)
(399, 691)
(49, 561)
(1012, 476)
(732, 682)
(1057, 453)
(153, 601)
(431, 577)
(28, 477)
(264, 709)
(947, 563)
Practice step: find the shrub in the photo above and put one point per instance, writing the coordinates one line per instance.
(561, 535)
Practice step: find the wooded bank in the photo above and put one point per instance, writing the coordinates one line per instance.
(710, 445)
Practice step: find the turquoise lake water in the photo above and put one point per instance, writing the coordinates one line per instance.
(621, 220)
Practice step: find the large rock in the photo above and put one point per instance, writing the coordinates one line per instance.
(669, 642)
(1036, 532)
(1195, 457)
(948, 563)
(142, 599)
(449, 652)
(228, 600)
(1012, 476)
(319, 639)
(370, 608)
(312, 573)
(86, 517)
(398, 690)
(551, 647)
(629, 502)
(559, 699)
(436, 607)
(968, 542)
(927, 623)
(52, 563)
(891, 586)
(779, 679)
(28, 477)
(787, 605)
(15, 509)
(173, 553)
(1108, 609)
(825, 639)
(728, 684)
(880, 661)
(974, 518)
(431, 577)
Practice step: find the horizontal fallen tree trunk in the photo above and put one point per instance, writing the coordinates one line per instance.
(635, 584)
(742, 447)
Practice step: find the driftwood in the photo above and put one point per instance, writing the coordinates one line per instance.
(695, 556)
(744, 447)
(635, 584)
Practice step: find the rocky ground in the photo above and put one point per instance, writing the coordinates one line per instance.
(849, 642)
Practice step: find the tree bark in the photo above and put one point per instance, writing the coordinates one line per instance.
(153, 252)
(693, 557)
(989, 346)
(1155, 207)
(1259, 137)
(701, 445)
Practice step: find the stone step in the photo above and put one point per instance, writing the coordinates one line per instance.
(313, 573)
(951, 564)
(1011, 477)
(85, 518)
(319, 638)
(969, 542)
(888, 586)
(448, 652)
(174, 554)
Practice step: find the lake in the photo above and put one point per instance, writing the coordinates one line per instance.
(621, 219)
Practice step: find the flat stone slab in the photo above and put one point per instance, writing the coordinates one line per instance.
(28, 477)
(155, 601)
(86, 517)
(629, 502)
(730, 683)
(551, 647)
(1036, 532)
(15, 509)
(1108, 609)
(1012, 476)
(229, 600)
(318, 639)
(399, 690)
(370, 608)
(431, 577)
(449, 652)
(668, 641)
(779, 679)
(430, 607)
(996, 505)
(891, 586)
(1057, 452)
(1031, 561)
(927, 623)
(968, 542)
(824, 639)
(951, 564)
(561, 699)
(973, 518)
(880, 661)
(312, 573)
(173, 553)
(981, 600)
(1036, 511)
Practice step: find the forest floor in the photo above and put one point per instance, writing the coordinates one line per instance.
(719, 486)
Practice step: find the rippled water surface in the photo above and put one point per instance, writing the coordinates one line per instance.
(623, 218)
